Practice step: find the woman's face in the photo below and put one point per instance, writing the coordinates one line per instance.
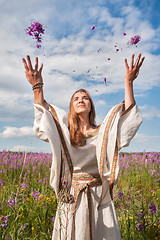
(81, 103)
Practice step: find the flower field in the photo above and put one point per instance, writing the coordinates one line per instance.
(28, 203)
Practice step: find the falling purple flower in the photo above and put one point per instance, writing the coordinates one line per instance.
(38, 46)
(98, 50)
(36, 30)
(93, 27)
(109, 59)
(117, 50)
(134, 40)
(88, 71)
(124, 34)
(105, 81)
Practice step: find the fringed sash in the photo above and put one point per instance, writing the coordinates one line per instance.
(82, 181)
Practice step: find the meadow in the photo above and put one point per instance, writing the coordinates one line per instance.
(28, 204)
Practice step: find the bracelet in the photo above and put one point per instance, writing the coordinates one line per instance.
(37, 85)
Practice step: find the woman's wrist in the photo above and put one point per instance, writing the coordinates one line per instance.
(128, 82)
(38, 95)
(37, 85)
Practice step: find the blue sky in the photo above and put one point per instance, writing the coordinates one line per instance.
(69, 50)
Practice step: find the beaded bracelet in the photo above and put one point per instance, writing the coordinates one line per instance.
(37, 85)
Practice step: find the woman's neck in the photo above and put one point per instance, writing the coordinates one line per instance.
(84, 124)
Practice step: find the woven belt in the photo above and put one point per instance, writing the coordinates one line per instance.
(82, 181)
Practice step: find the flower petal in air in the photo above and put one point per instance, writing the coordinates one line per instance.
(105, 81)
(93, 27)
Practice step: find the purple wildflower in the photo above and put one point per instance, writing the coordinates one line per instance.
(2, 182)
(4, 224)
(105, 81)
(4, 221)
(53, 219)
(121, 195)
(11, 202)
(153, 208)
(24, 185)
(140, 227)
(36, 195)
(140, 216)
(134, 40)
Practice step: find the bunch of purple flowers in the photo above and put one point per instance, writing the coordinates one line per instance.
(36, 30)
(134, 40)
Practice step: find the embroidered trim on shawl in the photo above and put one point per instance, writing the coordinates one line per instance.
(92, 134)
(68, 157)
(114, 164)
(104, 143)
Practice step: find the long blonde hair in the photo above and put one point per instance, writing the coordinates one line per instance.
(76, 136)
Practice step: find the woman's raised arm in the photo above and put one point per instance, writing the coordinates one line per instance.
(34, 77)
(130, 75)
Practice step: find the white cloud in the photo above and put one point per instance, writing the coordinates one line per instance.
(149, 112)
(142, 141)
(143, 138)
(21, 148)
(14, 132)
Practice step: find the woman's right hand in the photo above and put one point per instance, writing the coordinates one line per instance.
(33, 75)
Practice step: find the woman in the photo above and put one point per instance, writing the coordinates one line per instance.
(85, 157)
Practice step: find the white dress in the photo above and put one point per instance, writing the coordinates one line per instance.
(104, 219)
(73, 223)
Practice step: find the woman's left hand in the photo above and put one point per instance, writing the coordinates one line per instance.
(133, 71)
